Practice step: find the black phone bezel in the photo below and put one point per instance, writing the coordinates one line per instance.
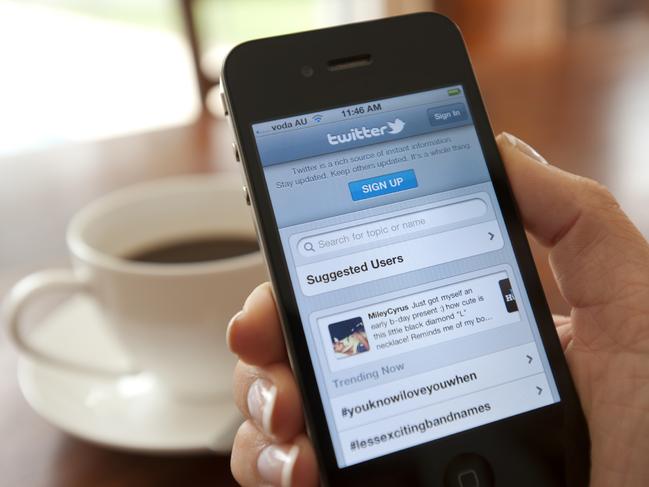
(262, 80)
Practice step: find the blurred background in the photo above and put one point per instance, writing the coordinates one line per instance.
(97, 95)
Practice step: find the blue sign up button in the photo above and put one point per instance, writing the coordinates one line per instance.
(384, 184)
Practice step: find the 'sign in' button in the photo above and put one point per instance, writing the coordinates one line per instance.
(384, 184)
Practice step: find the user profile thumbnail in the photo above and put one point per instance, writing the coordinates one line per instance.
(348, 337)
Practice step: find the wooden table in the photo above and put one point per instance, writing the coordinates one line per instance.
(584, 104)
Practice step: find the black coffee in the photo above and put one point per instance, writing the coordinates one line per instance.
(195, 250)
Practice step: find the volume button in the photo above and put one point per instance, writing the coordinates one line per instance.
(235, 149)
(226, 112)
(246, 194)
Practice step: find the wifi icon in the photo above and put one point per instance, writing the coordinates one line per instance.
(317, 118)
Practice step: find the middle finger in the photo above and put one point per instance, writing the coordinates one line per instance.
(270, 398)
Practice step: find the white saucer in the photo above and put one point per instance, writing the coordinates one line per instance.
(130, 412)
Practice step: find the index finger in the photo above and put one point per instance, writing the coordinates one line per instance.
(255, 333)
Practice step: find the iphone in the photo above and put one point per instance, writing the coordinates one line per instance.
(413, 314)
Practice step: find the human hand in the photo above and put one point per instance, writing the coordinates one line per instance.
(601, 264)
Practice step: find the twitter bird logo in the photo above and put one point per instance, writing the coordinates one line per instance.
(396, 126)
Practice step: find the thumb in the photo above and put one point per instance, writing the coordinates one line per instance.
(595, 249)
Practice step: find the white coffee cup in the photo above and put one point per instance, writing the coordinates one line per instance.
(170, 319)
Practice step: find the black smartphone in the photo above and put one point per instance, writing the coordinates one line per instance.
(412, 311)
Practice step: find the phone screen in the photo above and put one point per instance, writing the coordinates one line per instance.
(412, 302)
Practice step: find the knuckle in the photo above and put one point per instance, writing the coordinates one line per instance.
(599, 195)
(237, 461)
(242, 370)
(248, 442)
(243, 375)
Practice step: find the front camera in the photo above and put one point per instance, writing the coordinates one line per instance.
(307, 71)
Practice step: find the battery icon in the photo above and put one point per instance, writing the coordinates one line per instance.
(454, 91)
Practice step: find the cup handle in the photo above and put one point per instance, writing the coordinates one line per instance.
(30, 288)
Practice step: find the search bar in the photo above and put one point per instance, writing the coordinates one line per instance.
(381, 230)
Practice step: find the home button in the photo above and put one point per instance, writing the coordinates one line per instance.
(468, 470)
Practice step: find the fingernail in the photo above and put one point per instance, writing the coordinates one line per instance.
(261, 401)
(275, 464)
(524, 147)
(231, 324)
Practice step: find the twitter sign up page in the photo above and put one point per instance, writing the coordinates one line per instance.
(414, 312)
